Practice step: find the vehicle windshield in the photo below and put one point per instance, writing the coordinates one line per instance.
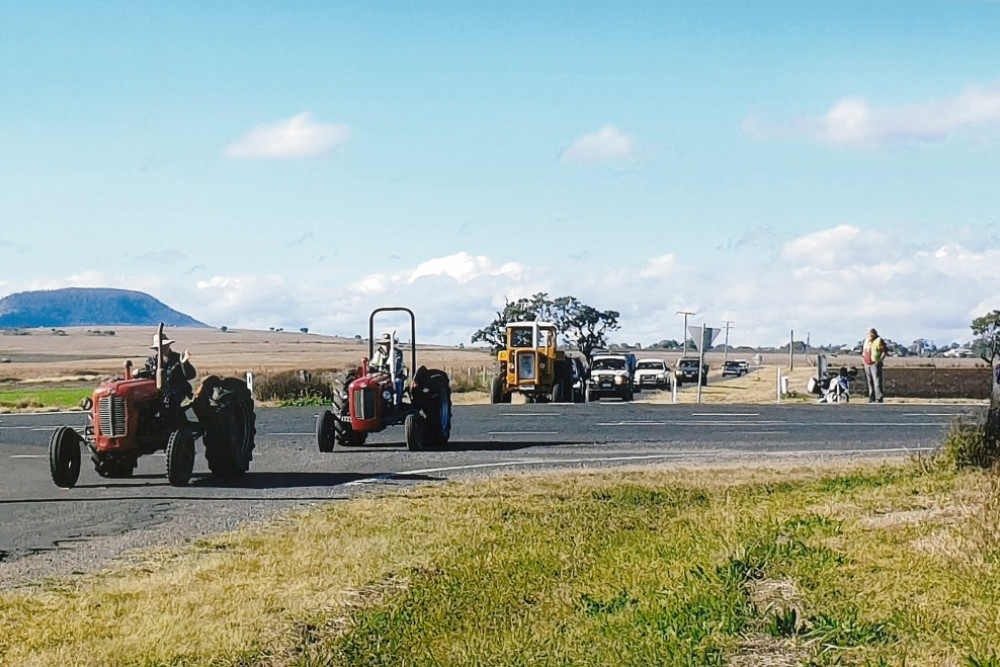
(647, 365)
(732, 364)
(688, 362)
(608, 365)
(521, 337)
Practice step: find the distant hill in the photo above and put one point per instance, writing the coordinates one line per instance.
(87, 306)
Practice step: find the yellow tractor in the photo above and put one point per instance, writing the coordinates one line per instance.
(531, 365)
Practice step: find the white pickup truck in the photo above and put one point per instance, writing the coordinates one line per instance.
(652, 374)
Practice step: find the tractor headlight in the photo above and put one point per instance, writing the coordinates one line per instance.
(387, 395)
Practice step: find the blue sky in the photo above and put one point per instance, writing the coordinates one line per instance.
(817, 166)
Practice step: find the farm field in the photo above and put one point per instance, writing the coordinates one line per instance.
(77, 357)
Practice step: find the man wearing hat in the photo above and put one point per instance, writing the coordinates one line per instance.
(380, 360)
(177, 372)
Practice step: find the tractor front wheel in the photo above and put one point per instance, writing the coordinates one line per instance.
(64, 457)
(414, 426)
(324, 431)
(496, 390)
(180, 457)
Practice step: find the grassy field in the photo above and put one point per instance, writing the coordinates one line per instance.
(43, 397)
(780, 566)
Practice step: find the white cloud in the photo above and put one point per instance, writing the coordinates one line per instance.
(854, 123)
(609, 145)
(463, 267)
(296, 137)
(831, 284)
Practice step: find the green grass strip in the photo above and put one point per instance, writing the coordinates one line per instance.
(886, 565)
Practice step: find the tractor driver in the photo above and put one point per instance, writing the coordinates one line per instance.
(380, 360)
(177, 372)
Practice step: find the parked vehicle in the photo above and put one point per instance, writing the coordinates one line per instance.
(652, 374)
(370, 400)
(835, 388)
(686, 370)
(612, 374)
(735, 368)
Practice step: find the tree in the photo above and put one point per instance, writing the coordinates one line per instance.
(987, 343)
(525, 309)
(987, 346)
(583, 326)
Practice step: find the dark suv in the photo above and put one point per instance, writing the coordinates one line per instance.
(687, 371)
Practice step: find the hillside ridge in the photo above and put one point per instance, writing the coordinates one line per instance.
(88, 306)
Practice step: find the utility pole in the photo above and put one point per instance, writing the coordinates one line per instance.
(791, 351)
(684, 338)
(725, 352)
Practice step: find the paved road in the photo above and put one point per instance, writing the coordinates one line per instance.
(37, 517)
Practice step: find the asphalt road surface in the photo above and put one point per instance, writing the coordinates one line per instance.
(47, 530)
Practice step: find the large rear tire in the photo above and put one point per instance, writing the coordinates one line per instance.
(438, 424)
(180, 457)
(414, 426)
(64, 457)
(229, 436)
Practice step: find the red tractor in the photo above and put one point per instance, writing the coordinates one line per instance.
(369, 400)
(127, 419)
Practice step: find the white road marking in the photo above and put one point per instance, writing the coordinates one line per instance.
(28, 456)
(725, 414)
(623, 423)
(523, 432)
(931, 414)
(293, 434)
(531, 414)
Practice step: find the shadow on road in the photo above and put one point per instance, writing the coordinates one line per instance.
(501, 445)
(295, 480)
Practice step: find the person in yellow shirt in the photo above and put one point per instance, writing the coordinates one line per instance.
(873, 354)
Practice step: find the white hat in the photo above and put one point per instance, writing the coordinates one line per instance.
(157, 341)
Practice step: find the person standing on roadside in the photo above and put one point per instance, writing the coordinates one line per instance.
(873, 353)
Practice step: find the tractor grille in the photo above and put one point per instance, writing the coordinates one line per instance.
(364, 403)
(111, 412)
(526, 366)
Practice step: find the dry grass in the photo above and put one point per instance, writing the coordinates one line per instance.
(768, 566)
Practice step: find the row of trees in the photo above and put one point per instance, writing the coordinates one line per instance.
(581, 326)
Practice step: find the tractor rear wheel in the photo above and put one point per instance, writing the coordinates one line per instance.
(229, 436)
(180, 457)
(414, 427)
(64, 457)
(324, 431)
(439, 421)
